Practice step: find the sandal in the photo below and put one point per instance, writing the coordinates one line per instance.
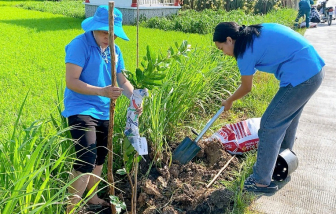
(250, 185)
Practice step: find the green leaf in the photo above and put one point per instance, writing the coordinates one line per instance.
(139, 74)
(119, 205)
(177, 58)
(156, 77)
(149, 87)
(127, 149)
(149, 57)
(183, 46)
(151, 82)
(160, 57)
(128, 153)
(121, 171)
(171, 51)
(150, 68)
(143, 64)
(176, 45)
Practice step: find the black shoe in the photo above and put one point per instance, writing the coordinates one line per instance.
(250, 185)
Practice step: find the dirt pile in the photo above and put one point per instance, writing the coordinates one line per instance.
(181, 189)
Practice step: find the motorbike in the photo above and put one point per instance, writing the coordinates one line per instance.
(327, 15)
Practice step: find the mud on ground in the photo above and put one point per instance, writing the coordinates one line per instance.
(181, 189)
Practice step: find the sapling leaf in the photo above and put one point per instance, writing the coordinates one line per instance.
(149, 56)
(121, 171)
(139, 74)
(154, 67)
(127, 149)
(177, 58)
(149, 87)
(171, 51)
(151, 82)
(119, 205)
(183, 46)
(157, 77)
(150, 67)
(160, 57)
(143, 64)
(176, 45)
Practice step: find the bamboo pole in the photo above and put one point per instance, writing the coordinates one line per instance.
(112, 103)
(213, 180)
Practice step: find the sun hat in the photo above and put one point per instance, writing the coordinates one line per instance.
(100, 22)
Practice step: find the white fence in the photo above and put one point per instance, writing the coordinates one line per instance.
(156, 2)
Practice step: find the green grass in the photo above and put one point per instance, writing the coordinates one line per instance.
(32, 70)
(32, 58)
(70, 8)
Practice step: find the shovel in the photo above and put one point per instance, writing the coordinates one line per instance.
(188, 148)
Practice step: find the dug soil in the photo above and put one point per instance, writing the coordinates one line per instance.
(182, 189)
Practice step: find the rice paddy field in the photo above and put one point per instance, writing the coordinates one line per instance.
(35, 150)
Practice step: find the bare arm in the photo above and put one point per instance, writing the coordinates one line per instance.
(243, 89)
(125, 85)
(73, 82)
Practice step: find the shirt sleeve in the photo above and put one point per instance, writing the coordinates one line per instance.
(121, 64)
(247, 63)
(76, 52)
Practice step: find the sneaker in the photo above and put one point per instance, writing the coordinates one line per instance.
(250, 185)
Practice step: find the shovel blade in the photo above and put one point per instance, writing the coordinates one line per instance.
(186, 151)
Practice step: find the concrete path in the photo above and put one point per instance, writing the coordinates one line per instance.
(312, 187)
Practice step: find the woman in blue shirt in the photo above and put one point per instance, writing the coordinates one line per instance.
(275, 49)
(87, 98)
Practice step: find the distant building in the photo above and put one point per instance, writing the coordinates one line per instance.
(147, 8)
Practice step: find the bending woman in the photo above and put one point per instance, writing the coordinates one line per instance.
(275, 49)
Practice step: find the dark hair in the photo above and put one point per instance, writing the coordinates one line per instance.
(243, 35)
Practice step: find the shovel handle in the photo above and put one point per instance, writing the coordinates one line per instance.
(209, 124)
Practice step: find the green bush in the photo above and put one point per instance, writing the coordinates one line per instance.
(203, 22)
(258, 6)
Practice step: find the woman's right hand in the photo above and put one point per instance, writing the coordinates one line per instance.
(227, 105)
(111, 92)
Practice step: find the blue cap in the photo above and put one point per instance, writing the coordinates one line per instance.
(100, 22)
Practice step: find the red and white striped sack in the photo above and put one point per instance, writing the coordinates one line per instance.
(239, 137)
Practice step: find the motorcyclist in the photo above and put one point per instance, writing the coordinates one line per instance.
(323, 6)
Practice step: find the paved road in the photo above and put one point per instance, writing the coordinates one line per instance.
(312, 187)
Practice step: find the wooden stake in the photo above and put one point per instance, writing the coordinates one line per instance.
(135, 190)
(220, 172)
(112, 103)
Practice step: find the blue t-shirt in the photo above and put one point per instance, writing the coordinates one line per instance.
(305, 4)
(84, 52)
(283, 52)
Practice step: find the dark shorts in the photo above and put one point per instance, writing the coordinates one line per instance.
(90, 139)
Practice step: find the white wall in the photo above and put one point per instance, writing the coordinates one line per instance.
(122, 3)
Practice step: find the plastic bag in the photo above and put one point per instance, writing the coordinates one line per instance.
(239, 137)
(132, 129)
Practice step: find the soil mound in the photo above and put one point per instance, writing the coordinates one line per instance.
(181, 189)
